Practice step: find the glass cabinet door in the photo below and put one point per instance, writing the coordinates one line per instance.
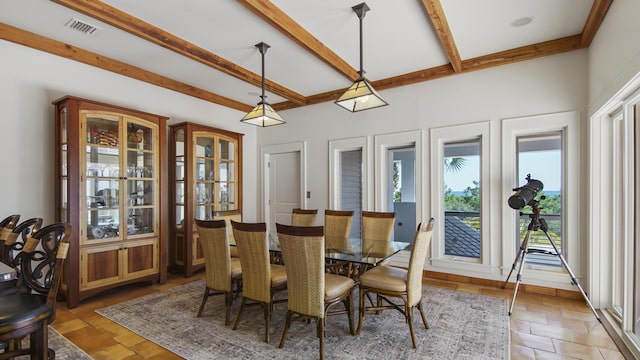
(102, 177)
(64, 172)
(227, 176)
(179, 178)
(140, 193)
(204, 175)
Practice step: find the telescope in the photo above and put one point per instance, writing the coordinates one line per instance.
(526, 193)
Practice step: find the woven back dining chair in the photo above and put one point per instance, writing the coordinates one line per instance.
(377, 228)
(261, 280)
(223, 272)
(337, 227)
(227, 216)
(405, 284)
(30, 313)
(304, 217)
(312, 292)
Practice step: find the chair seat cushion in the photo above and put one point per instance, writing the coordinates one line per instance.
(19, 308)
(385, 278)
(278, 276)
(236, 268)
(336, 285)
(9, 287)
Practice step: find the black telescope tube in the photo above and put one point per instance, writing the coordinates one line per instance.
(525, 194)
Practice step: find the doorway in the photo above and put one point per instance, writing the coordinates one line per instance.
(402, 191)
(284, 183)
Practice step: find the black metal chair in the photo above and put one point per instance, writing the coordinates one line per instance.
(11, 250)
(6, 227)
(30, 313)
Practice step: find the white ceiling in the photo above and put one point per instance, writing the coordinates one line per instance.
(399, 37)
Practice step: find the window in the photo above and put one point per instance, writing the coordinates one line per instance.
(460, 166)
(547, 147)
(540, 157)
(462, 199)
(614, 212)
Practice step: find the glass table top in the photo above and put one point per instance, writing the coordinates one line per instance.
(352, 250)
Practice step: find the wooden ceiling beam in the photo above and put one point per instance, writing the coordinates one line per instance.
(594, 20)
(523, 53)
(275, 17)
(123, 21)
(38, 42)
(440, 24)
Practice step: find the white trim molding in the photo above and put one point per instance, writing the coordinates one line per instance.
(489, 251)
(574, 245)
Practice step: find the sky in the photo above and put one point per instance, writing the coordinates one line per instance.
(542, 165)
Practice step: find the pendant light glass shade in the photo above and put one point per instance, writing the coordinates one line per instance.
(361, 95)
(263, 114)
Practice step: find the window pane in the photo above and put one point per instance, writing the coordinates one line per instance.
(351, 186)
(541, 157)
(462, 199)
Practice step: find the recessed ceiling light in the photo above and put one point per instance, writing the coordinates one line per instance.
(521, 21)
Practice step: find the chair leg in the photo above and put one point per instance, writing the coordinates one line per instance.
(348, 304)
(286, 328)
(38, 343)
(424, 319)
(267, 316)
(320, 323)
(361, 310)
(204, 300)
(235, 325)
(228, 300)
(408, 311)
(238, 284)
(378, 303)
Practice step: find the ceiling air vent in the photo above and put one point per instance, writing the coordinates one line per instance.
(82, 26)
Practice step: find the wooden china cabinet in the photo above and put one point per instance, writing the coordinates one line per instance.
(110, 186)
(205, 167)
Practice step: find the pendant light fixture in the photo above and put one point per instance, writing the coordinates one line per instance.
(361, 95)
(263, 114)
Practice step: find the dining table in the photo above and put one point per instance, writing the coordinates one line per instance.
(348, 256)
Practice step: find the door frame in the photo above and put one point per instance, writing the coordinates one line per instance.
(385, 142)
(265, 152)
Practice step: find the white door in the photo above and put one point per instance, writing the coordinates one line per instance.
(284, 187)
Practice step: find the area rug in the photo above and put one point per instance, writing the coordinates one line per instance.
(462, 326)
(65, 349)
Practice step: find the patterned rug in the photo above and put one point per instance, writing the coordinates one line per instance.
(462, 326)
(65, 349)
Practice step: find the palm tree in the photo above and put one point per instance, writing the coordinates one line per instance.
(454, 163)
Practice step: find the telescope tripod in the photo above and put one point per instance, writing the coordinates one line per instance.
(538, 223)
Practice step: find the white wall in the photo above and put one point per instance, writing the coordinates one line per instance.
(31, 80)
(614, 54)
(547, 85)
